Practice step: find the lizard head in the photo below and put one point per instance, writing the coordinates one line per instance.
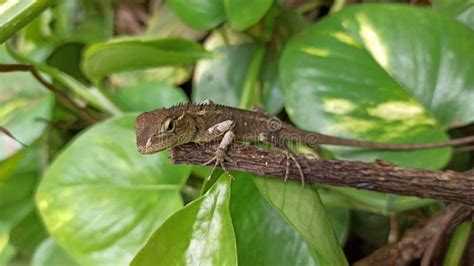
(161, 129)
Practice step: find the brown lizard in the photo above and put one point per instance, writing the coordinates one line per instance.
(208, 122)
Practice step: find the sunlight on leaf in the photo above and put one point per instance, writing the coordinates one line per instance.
(200, 233)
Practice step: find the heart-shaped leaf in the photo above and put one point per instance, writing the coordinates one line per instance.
(367, 73)
(158, 94)
(199, 14)
(302, 208)
(130, 54)
(200, 233)
(101, 199)
(16, 14)
(261, 229)
(222, 78)
(166, 23)
(242, 14)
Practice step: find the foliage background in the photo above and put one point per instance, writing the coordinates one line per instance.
(81, 194)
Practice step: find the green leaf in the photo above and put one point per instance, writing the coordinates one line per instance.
(200, 233)
(18, 177)
(372, 228)
(28, 234)
(302, 208)
(165, 23)
(367, 73)
(101, 199)
(263, 236)
(49, 253)
(91, 94)
(25, 106)
(16, 201)
(221, 79)
(158, 94)
(16, 14)
(339, 218)
(463, 10)
(85, 22)
(67, 58)
(130, 54)
(379, 202)
(242, 14)
(458, 244)
(7, 251)
(199, 14)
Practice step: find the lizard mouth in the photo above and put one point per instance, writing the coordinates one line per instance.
(154, 144)
(144, 149)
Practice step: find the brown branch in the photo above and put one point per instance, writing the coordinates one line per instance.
(378, 176)
(60, 95)
(418, 242)
(10, 135)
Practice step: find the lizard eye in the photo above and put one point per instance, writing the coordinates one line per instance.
(168, 126)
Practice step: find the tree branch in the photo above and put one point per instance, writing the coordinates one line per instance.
(378, 176)
(60, 95)
(418, 242)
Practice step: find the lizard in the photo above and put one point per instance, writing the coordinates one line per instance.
(207, 122)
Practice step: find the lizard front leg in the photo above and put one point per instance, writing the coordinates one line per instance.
(221, 155)
(215, 131)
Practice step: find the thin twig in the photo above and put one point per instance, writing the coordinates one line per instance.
(60, 95)
(418, 242)
(10, 135)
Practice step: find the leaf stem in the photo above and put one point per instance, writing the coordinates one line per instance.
(60, 95)
(91, 94)
(251, 78)
(458, 244)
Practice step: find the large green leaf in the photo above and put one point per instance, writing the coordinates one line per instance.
(101, 199)
(302, 208)
(25, 106)
(222, 78)
(200, 233)
(130, 54)
(261, 230)
(242, 14)
(367, 73)
(199, 14)
(15, 14)
(158, 94)
(165, 23)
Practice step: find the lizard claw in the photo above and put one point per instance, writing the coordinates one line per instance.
(290, 157)
(219, 159)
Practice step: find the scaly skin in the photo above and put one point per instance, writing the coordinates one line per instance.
(169, 127)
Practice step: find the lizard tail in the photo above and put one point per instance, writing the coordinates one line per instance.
(324, 139)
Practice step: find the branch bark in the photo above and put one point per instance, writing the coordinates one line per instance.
(418, 242)
(378, 176)
(60, 95)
